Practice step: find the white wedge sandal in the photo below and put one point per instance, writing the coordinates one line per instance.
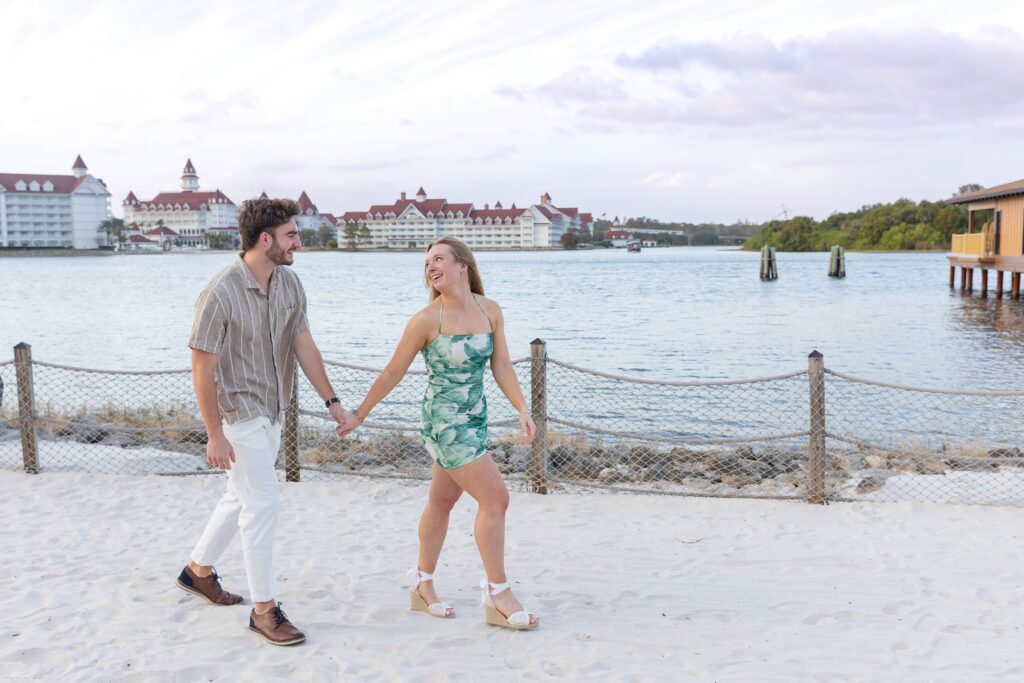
(441, 610)
(519, 621)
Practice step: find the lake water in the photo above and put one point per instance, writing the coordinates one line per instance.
(683, 313)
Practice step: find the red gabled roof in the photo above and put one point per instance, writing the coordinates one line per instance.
(350, 216)
(617, 235)
(331, 218)
(586, 218)
(139, 239)
(493, 214)
(571, 212)
(421, 191)
(131, 198)
(162, 230)
(189, 168)
(305, 203)
(79, 164)
(544, 210)
(62, 184)
(455, 208)
(192, 200)
(263, 195)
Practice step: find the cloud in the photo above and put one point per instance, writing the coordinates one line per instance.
(580, 84)
(855, 78)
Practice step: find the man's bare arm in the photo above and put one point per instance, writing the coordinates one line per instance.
(204, 379)
(312, 364)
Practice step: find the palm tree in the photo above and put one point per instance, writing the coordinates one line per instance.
(113, 228)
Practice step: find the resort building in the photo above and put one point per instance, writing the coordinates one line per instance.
(414, 223)
(53, 210)
(310, 218)
(189, 213)
(994, 238)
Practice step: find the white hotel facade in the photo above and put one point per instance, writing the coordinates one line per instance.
(53, 210)
(414, 223)
(189, 213)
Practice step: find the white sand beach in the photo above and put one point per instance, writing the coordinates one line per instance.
(629, 588)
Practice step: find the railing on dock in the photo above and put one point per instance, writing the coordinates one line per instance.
(812, 434)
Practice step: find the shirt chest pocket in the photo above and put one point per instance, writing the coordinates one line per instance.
(284, 320)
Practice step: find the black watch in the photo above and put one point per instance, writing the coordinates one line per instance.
(331, 401)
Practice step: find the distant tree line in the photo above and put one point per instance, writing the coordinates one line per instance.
(900, 225)
(325, 236)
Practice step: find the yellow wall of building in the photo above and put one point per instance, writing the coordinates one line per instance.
(1011, 230)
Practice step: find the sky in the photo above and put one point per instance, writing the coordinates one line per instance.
(691, 110)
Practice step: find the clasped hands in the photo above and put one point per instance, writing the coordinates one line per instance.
(347, 421)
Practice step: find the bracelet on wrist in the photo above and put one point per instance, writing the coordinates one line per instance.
(355, 411)
(331, 401)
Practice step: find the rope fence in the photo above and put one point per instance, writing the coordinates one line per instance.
(813, 434)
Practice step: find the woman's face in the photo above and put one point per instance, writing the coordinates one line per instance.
(442, 270)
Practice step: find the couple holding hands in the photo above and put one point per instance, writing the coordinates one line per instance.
(250, 328)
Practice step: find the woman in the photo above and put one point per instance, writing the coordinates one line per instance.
(457, 333)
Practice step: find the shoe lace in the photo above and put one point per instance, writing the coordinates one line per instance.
(215, 576)
(279, 616)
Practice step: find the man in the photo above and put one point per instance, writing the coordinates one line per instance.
(250, 327)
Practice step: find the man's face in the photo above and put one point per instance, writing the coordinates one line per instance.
(283, 240)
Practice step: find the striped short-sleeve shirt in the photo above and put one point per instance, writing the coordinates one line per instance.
(252, 333)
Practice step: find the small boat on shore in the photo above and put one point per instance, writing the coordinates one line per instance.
(633, 245)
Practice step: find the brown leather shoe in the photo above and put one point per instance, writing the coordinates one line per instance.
(275, 627)
(206, 586)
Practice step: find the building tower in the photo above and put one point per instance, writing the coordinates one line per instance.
(189, 178)
(80, 170)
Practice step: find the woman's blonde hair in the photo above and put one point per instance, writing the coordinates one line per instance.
(463, 255)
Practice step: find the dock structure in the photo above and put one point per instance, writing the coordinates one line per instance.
(994, 239)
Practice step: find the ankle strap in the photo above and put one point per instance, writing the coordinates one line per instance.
(493, 588)
(418, 576)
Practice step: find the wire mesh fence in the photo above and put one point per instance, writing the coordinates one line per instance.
(814, 434)
(892, 442)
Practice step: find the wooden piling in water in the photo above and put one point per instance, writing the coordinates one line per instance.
(970, 279)
(769, 271)
(963, 279)
(952, 276)
(999, 283)
(984, 282)
(1015, 286)
(837, 262)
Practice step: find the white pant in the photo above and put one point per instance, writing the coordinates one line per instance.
(249, 505)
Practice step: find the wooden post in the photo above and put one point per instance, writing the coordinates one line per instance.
(952, 276)
(290, 434)
(26, 408)
(768, 268)
(963, 278)
(1015, 286)
(538, 466)
(999, 283)
(970, 279)
(984, 282)
(816, 443)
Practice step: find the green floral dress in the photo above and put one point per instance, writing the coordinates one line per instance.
(454, 427)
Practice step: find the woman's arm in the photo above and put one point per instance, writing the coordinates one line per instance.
(505, 374)
(413, 339)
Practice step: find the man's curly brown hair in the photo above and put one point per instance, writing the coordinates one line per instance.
(263, 215)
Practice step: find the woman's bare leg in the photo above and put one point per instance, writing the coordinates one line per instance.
(443, 495)
(482, 480)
